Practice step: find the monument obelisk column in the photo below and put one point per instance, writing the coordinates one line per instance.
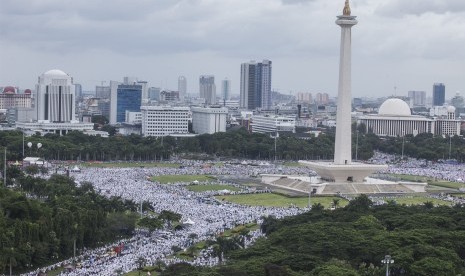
(343, 144)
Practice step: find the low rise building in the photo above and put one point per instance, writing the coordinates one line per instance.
(164, 120)
(209, 119)
(272, 123)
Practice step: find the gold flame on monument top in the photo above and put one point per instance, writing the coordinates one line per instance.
(346, 11)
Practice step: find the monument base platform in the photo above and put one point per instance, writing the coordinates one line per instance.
(318, 186)
(353, 172)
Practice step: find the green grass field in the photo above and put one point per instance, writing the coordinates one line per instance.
(418, 200)
(275, 200)
(130, 165)
(430, 181)
(136, 273)
(203, 188)
(292, 164)
(164, 179)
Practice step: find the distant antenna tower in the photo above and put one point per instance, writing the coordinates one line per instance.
(395, 90)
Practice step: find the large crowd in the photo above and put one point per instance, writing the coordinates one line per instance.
(450, 171)
(208, 217)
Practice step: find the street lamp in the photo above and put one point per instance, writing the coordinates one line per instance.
(275, 138)
(309, 191)
(387, 260)
(4, 170)
(403, 141)
(450, 144)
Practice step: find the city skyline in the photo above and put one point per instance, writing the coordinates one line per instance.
(409, 45)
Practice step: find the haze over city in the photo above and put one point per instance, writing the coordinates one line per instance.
(405, 44)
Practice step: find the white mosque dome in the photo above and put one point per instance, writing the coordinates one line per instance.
(451, 109)
(55, 72)
(394, 107)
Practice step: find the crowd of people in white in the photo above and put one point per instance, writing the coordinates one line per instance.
(454, 172)
(208, 217)
(208, 220)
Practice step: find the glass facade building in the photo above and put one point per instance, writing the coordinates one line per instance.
(439, 94)
(129, 99)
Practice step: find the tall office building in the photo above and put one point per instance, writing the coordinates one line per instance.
(439, 94)
(78, 90)
(417, 98)
(207, 89)
(256, 85)
(225, 89)
(304, 97)
(182, 87)
(102, 92)
(154, 93)
(124, 97)
(55, 98)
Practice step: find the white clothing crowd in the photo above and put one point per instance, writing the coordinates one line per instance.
(210, 217)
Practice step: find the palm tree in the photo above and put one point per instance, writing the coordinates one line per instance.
(140, 263)
(336, 203)
(159, 263)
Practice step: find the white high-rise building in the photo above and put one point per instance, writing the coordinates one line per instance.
(207, 89)
(164, 120)
(182, 87)
(55, 97)
(417, 98)
(209, 119)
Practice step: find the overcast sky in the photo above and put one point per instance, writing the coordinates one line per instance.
(408, 44)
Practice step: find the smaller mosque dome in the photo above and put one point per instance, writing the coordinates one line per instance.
(55, 72)
(27, 91)
(394, 107)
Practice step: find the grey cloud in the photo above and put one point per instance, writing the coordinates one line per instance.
(161, 28)
(293, 2)
(418, 7)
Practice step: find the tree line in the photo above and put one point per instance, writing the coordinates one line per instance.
(40, 220)
(235, 144)
(353, 241)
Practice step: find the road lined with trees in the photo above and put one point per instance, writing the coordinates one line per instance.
(234, 144)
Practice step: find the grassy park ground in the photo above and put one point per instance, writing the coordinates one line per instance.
(203, 188)
(430, 181)
(164, 179)
(130, 165)
(418, 200)
(292, 164)
(276, 200)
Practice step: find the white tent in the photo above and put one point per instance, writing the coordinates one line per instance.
(75, 169)
(188, 222)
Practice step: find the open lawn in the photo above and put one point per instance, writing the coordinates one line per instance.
(447, 184)
(164, 179)
(55, 272)
(137, 273)
(276, 200)
(203, 188)
(418, 200)
(130, 165)
(430, 181)
(292, 164)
